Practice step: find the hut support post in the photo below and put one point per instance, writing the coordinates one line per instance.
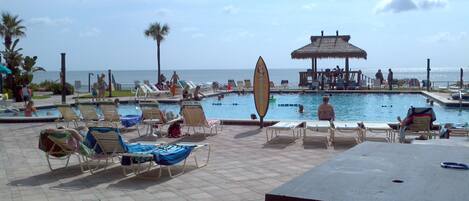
(109, 73)
(315, 68)
(347, 76)
(428, 74)
(461, 81)
(62, 76)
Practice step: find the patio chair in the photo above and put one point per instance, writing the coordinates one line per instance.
(275, 129)
(61, 144)
(110, 113)
(240, 85)
(68, 115)
(247, 84)
(373, 131)
(345, 129)
(194, 117)
(318, 127)
(108, 143)
(89, 114)
(418, 121)
(151, 116)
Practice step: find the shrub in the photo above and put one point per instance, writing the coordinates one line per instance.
(56, 88)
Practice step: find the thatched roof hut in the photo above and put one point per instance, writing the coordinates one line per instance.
(329, 47)
(336, 46)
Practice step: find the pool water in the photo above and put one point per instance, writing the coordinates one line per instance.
(348, 107)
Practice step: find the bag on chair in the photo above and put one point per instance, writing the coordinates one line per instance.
(174, 130)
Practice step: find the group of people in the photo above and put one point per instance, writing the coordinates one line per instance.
(380, 77)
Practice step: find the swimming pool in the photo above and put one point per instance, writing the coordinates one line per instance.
(348, 107)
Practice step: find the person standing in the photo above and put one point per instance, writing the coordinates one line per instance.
(326, 110)
(390, 79)
(379, 76)
(25, 94)
(175, 78)
(101, 86)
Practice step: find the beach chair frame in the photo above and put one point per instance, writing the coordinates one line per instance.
(151, 116)
(194, 117)
(356, 131)
(293, 126)
(89, 114)
(68, 115)
(68, 151)
(110, 114)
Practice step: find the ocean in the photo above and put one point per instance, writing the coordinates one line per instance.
(441, 76)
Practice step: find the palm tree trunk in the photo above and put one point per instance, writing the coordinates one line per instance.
(158, 58)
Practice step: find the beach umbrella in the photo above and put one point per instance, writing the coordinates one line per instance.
(4, 70)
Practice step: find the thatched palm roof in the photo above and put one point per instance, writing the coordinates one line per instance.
(329, 47)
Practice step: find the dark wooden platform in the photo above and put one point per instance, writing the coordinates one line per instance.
(382, 171)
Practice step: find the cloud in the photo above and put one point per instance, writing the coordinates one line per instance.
(397, 6)
(90, 32)
(163, 12)
(230, 9)
(445, 37)
(431, 4)
(309, 6)
(47, 21)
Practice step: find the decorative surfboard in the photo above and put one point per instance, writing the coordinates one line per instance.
(261, 89)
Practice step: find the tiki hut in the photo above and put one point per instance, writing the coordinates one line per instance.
(336, 46)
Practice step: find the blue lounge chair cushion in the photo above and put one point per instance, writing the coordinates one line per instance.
(130, 120)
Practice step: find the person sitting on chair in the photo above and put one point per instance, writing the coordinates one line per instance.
(325, 110)
(412, 113)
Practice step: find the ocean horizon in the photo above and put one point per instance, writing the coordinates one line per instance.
(128, 77)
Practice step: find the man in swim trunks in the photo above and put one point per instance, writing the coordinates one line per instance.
(325, 110)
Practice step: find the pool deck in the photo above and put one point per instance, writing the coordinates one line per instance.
(445, 99)
(242, 167)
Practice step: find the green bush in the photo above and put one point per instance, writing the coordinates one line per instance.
(46, 85)
(56, 88)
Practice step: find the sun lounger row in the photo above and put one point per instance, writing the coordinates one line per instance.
(355, 130)
(106, 144)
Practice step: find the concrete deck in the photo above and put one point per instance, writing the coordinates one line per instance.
(445, 99)
(242, 167)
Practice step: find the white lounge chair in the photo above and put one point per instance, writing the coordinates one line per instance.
(371, 129)
(347, 129)
(110, 113)
(275, 129)
(320, 126)
(89, 114)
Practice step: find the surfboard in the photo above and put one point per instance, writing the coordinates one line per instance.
(261, 89)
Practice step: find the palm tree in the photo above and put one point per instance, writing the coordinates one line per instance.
(10, 27)
(158, 33)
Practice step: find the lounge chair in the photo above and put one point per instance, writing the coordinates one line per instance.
(151, 116)
(61, 144)
(347, 129)
(320, 126)
(275, 129)
(418, 121)
(68, 115)
(369, 128)
(240, 85)
(247, 84)
(89, 114)
(109, 143)
(232, 83)
(110, 113)
(194, 117)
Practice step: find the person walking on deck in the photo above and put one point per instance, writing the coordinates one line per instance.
(390, 79)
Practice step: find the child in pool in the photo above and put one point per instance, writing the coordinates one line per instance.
(30, 109)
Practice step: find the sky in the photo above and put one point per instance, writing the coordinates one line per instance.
(218, 34)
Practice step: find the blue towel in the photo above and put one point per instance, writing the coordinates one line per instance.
(130, 120)
(171, 154)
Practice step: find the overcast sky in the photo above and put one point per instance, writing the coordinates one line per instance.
(232, 34)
